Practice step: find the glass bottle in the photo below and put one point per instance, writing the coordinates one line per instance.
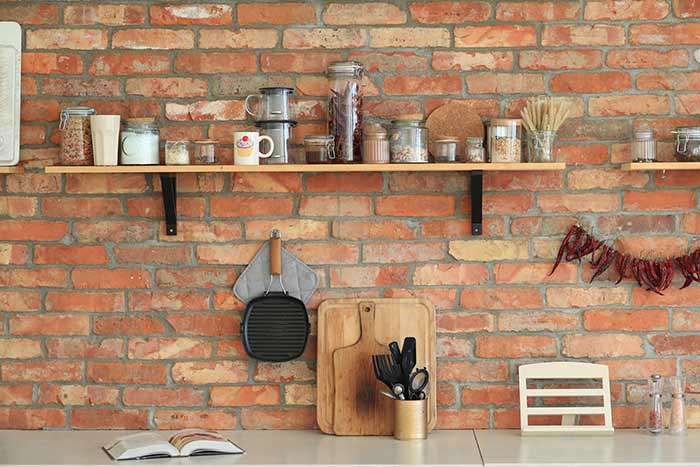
(76, 136)
(678, 424)
(644, 145)
(344, 104)
(655, 422)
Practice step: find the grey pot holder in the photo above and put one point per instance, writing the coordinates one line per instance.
(299, 280)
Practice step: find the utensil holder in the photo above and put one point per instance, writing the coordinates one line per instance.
(410, 419)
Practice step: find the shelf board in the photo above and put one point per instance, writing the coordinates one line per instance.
(661, 166)
(15, 169)
(341, 168)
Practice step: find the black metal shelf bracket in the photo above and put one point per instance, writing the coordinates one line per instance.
(476, 187)
(168, 183)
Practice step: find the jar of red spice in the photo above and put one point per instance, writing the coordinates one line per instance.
(76, 134)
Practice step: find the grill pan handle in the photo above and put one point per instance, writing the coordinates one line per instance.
(275, 253)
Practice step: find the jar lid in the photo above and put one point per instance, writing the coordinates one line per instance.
(275, 90)
(206, 141)
(409, 117)
(349, 66)
(506, 121)
(80, 111)
(374, 129)
(644, 133)
(687, 130)
(475, 139)
(446, 139)
(141, 122)
(177, 141)
(318, 139)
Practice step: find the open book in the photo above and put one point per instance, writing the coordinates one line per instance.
(190, 442)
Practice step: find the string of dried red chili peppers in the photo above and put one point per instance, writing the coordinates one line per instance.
(654, 275)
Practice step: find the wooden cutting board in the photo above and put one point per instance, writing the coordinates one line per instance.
(339, 326)
(360, 408)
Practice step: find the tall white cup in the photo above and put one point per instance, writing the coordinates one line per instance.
(246, 147)
(105, 138)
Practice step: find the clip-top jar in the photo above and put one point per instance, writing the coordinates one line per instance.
(408, 140)
(319, 149)
(76, 143)
(344, 104)
(140, 141)
(687, 143)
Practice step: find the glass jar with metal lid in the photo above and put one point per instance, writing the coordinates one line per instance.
(76, 134)
(445, 149)
(505, 140)
(687, 143)
(140, 142)
(375, 145)
(408, 140)
(319, 149)
(344, 104)
(205, 152)
(643, 145)
(474, 152)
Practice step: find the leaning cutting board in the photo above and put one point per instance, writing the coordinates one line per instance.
(340, 326)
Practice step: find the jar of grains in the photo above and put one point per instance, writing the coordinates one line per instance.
(474, 151)
(505, 140)
(408, 140)
(177, 152)
(375, 145)
(76, 144)
(445, 149)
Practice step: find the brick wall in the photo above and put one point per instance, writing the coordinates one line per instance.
(107, 323)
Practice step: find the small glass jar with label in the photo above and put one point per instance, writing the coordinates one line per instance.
(408, 141)
(505, 140)
(445, 149)
(474, 151)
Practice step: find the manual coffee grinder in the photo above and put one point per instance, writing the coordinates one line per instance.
(270, 111)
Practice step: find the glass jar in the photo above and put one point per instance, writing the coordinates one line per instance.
(205, 152)
(319, 149)
(76, 134)
(140, 140)
(177, 153)
(505, 140)
(474, 151)
(655, 422)
(687, 143)
(408, 141)
(445, 149)
(678, 425)
(643, 145)
(375, 145)
(344, 104)
(540, 146)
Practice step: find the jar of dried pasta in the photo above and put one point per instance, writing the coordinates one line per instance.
(505, 140)
(76, 143)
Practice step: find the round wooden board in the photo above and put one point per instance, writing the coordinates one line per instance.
(454, 119)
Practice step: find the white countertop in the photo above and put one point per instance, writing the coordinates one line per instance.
(263, 448)
(502, 448)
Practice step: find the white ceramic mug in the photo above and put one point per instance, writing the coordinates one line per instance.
(105, 138)
(246, 148)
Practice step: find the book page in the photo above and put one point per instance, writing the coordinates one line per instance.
(193, 442)
(140, 445)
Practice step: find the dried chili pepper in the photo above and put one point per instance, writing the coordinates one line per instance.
(605, 263)
(563, 248)
(621, 265)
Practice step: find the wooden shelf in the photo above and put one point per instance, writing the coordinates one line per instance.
(15, 169)
(661, 166)
(342, 168)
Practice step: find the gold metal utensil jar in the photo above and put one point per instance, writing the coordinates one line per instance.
(410, 419)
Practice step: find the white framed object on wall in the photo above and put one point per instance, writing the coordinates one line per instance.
(10, 91)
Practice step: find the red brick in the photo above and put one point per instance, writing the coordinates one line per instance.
(32, 134)
(44, 110)
(576, 297)
(235, 39)
(325, 253)
(152, 255)
(156, 396)
(195, 277)
(636, 224)
(117, 64)
(246, 206)
(153, 39)
(110, 15)
(153, 207)
(628, 105)
(19, 301)
(442, 298)
(591, 83)
(126, 372)
(495, 36)
(303, 229)
(75, 39)
(294, 62)
(675, 345)
(32, 278)
(515, 346)
(168, 301)
(658, 200)
(467, 61)
(46, 370)
(368, 276)
(278, 419)
(587, 179)
(504, 83)
(416, 85)
(681, 81)
(195, 231)
(210, 372)
(615, 10)
(123, 419)
(127, 325)
(84, 348)
(52, 63)
(332, 206)
(409, 37)
(415, 205)
(20, 348)
(64, 254)
(501, 299)
(537, 321)
(74, 394)
(112, 231)
(351, 182)
(30, 14)
(81, 207)
(16, 394)
(111, 278)
(686, 8)
(376, 61)
(665, 34)
(533, 273)
(402, 253)
(323, 38)
(166, 87)
(34, 230)
(678, 298)
(583, 34)
(462, 419)
(441, 12)
(282, 13)
(461, 322)
(560, 59)
(18, 206)
(452, 346)
(31, 419)
(450, 274)
(646, 58)
(577, 202)
(50, 325)
(205, 324)
(685, 320)
(244, 396)
(625, 320)
(106, 183)
(601, 345)
(537, 11)
(379, 229)
(464, 372)
(491, 394)
(209, 15)
(33, 183)
(363, 13)
(179, 419)
(228, 254)
(167, 348)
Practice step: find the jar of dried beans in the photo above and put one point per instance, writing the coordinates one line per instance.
(408, 140)
(76, 145)
(505, 140)
(344, 103)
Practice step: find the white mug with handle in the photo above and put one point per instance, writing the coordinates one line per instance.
(246, 147)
